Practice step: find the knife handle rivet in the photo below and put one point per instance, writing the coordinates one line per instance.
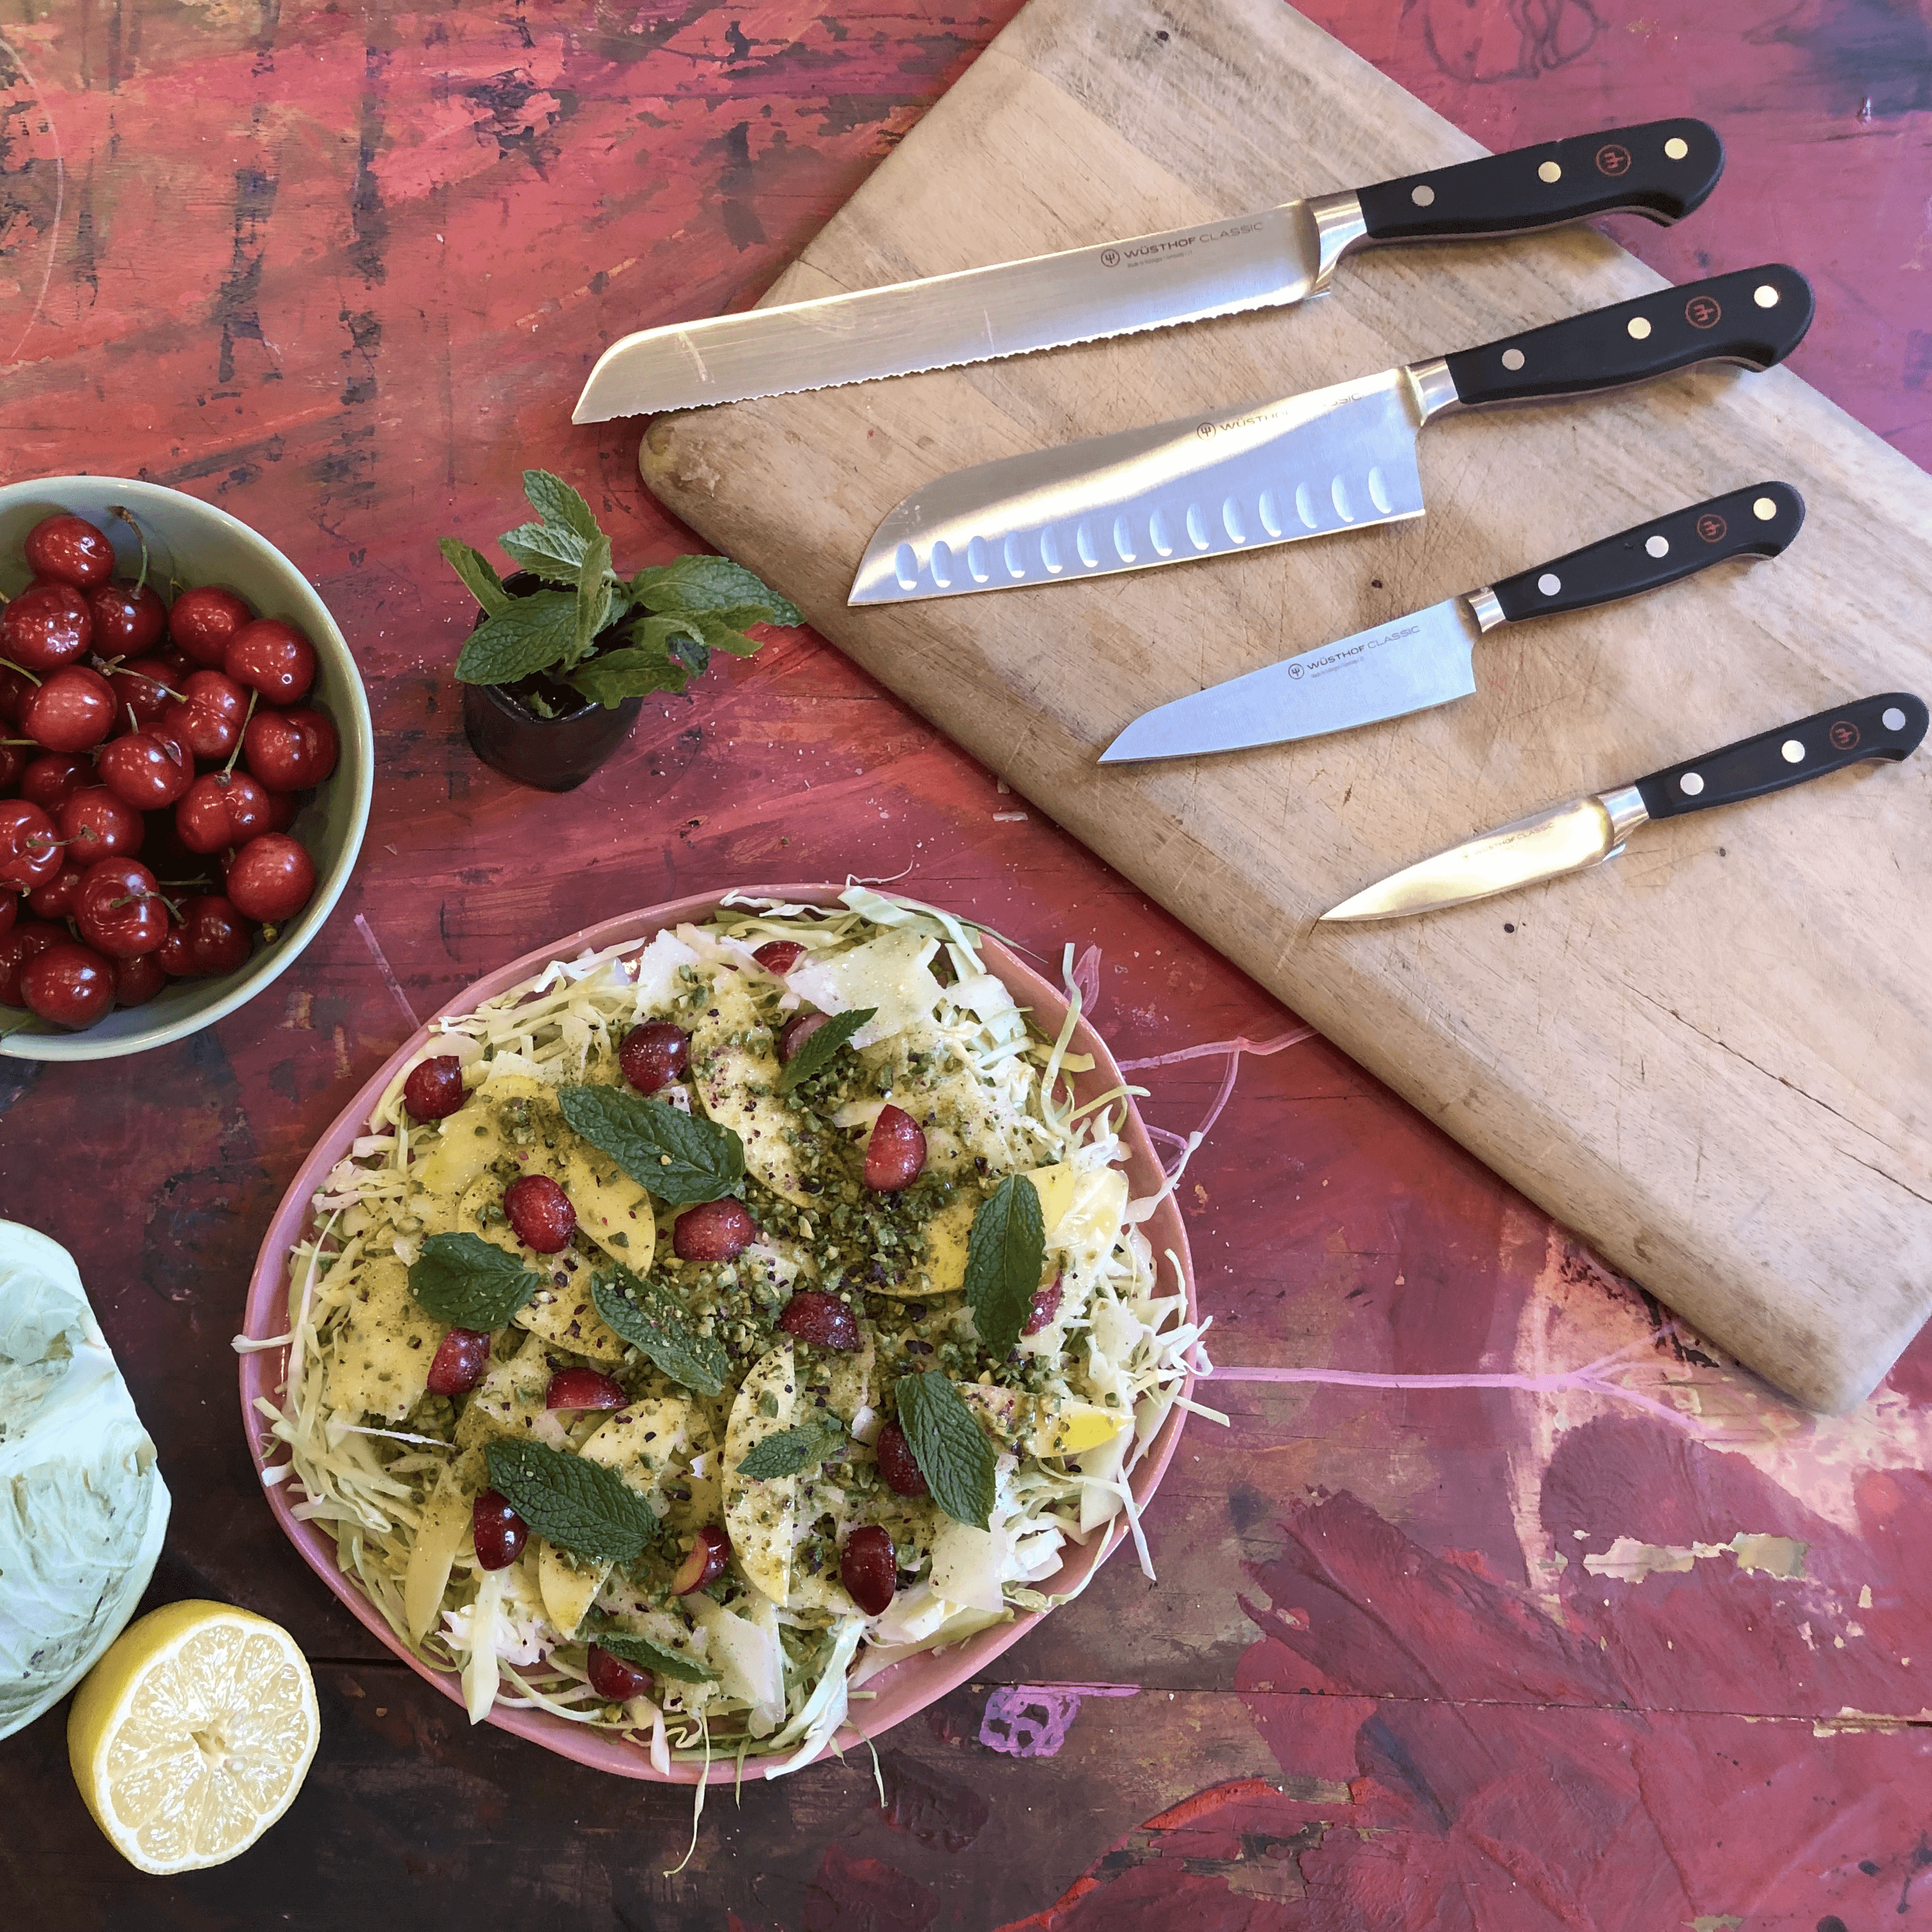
(1656, 546)
(1792, 751)
(1893, 720)
(1549, 171)
(1549, 583)
(1677, 147)
(1512, 359)
(1423, 195)
(1764, 295)
(1690, 784)
(1639, 329)
(1764, 509)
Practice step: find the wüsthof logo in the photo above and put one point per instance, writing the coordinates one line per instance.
(1702, 312)
(1844, 734)
(1612, 160)
(1712, 527)
(1110, 258)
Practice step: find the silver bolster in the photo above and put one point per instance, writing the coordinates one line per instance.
(1339, 223)
(1626, 808)
(1433, 387)
(1484, 608)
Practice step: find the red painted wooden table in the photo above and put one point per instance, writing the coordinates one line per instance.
(1518, 1653)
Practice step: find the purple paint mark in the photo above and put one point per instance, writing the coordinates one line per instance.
(1031, 1720)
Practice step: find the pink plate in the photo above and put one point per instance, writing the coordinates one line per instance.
(906, 1688)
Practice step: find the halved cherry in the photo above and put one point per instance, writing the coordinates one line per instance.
(584, 1388)
(614, 1680)
(798, 1030)
(499, 1533)
(869, 1568)
(461, 1358)
(539, 1213)
(434, 1088)
(654, 1055)
(779, 955)
(719, 1231)
(822, 1320)
(896, 1154)
(896, 1462)
(710, 1551)
(1045, 1307)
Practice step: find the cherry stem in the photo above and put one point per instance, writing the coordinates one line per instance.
(241, 734)
(21, 668)
(127, 517)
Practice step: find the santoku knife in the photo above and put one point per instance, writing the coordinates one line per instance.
(1663, 170)
(1264, 473)
(1567, 837)
(1428, 658)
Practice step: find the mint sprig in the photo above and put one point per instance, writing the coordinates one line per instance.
(469, 1282)
(1004, 1254)
(659, 1657)
(682, 1159)
(608, 636)
(790, 1451)
(815, 1055)
(959, 1463)
(579, 1505)
(653, 1320)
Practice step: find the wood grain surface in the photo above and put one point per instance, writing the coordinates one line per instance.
(1713, 1058)
(1444, 1635)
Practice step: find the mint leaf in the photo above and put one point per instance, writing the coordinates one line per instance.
(1004, 1254)
(816, 1054)
(682, 1159)
(611, 677)
(556, 503)
(555, 553)
(593, 596)
(710, 584)
(581, 1506)
(485, 586)
(653, 1320)
(724, 630)
(530, 633)
(658, 1657)
(789, 1450)
(470, 1283)
(951, 1451)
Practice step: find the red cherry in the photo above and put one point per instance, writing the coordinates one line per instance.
(822, 1320)
(126, 622)
(896, 1462)
(204, 619)
(137, 980)
(100, 826)
(70, 549)
(284, 807)
(273, 658)
(614, 1680)
(147, 768)
(174, 955)
(46, 627)
(138, 687)
(221, 809)
(290, 751)
(584, 1388)
(118, 910)
(719, 1231)
(869, 1568)
(654, 1055)
(30, 852)
(779, 955)
(896, 1152)
(461, 1359)
(29, 938)
(71, 985)
(73, 711)
(50, 780)
(498, 1532)
(539, 1213)
(16, 687)
(798, 1030)
(208, 713)
(272, 878)
(218, 938)
(710, 1551)
(14, 762)
(53, 899)
(9, 910)
(1045, 1307)
(434, 1088)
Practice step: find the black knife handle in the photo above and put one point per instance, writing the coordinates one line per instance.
(1757, 522)
(1756, 316)
(1662, 168)
(1887, 726)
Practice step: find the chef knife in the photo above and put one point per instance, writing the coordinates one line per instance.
(1662, 169)
(1428, 658)
(1567, 838)
(1270, 472)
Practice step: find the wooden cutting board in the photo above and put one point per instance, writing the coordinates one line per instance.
(1712, 1057)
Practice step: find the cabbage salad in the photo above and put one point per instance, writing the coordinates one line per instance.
(759, 1308)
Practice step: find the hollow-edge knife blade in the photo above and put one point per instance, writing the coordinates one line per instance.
(1545, 845)
(1261, 473)
(1262, 260)
(1425, 658)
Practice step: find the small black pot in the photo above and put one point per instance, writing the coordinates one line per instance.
(555, 753)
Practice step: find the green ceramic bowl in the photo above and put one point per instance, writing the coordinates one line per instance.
(192, 542)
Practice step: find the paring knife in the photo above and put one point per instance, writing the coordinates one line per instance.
(1567, 837)
(1270, 472)
(1428, 658)
(1663, 170)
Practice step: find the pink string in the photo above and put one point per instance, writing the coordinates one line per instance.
(1231, 1049)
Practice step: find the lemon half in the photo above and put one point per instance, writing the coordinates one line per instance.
(193, 1735)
